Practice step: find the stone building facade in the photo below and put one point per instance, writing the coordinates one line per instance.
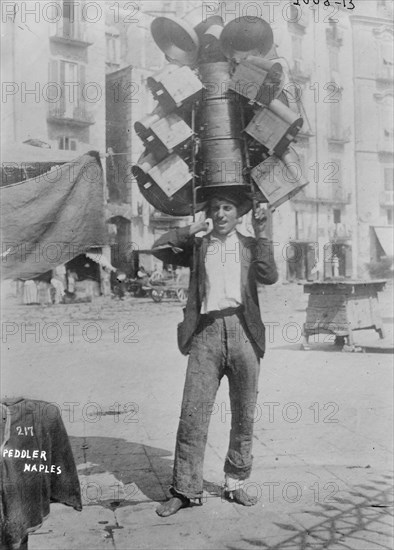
(53, 63)
(339, 77)
(76, 79)
(53, 58)
(132, 56)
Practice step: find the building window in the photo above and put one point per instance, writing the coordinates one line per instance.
(387, 119)
(389, 212)
(296, 44)
(335, 179)
(112, 51)
(388, 197)
(334, 59)
(298, 16)
(336, 120)
(69, 72)
(70, 25)
(68, 19)
(70, 80)
(299, 224)
(386, 59)
(334, 74)
(387, 52)
(334, 35)
(67, 144)
(389, 179)
(337, 215)
(298, 65)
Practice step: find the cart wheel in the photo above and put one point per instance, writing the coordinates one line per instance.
(182, 295)
(139, 292)
(157, 295)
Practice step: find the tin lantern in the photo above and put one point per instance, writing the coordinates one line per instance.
(163, 132)
(275, 127)
(279, 178)
(175, 86)
(258, 80)
(166, 185)
(205, 135)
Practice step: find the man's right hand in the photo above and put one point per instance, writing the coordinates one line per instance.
(196, 227)
(261, 221)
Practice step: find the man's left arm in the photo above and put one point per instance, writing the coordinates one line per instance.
(176, 246)
(263, 258)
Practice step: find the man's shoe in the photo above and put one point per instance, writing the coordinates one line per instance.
(239, 496)
(172, 506)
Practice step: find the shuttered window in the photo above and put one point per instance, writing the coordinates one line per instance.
(67, 144)
(65, 92)
(389, 179)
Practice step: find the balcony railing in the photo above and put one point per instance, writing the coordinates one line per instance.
(301, 70)
(386, 11)
(69, 31)
(385, 72)
(339, 231)
(385, 144)
(334, 35)
(387, 198)
(338, 195)
(76, 114)
(339, 135)
(299, 17)
(324, 195)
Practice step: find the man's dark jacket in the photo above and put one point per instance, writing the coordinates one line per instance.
(257, 266)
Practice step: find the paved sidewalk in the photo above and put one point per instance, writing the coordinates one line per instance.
(323, 434)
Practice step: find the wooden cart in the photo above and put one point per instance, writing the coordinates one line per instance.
(340, 307)
(160, 288)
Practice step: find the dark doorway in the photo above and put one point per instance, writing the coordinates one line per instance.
(84, 268)
(301, 259)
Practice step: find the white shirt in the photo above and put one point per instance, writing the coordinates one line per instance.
(223, 274)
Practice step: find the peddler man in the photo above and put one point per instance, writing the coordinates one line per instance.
(223, 334)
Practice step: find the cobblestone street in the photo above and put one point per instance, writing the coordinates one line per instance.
(322, 450)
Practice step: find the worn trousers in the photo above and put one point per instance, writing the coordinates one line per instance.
(221, 346)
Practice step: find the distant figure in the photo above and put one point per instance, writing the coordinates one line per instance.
(44, 296)
(142, 273)
(120, 289)
(156, 275)
(60, 274)
(71, 280)
(58, 290)
(30, 292)
(335, 266)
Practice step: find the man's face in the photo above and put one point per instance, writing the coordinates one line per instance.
(224, 216)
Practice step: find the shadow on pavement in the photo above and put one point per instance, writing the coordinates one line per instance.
(351, 524)
(147, 468)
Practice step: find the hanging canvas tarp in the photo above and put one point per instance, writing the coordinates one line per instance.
(48, 220)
